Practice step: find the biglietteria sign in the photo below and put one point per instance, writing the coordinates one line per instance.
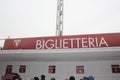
(65, 42)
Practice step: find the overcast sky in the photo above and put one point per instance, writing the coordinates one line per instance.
(35, 18)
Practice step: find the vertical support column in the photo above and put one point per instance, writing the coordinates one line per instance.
(59, 19)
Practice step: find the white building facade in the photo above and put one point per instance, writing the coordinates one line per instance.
(96, 55)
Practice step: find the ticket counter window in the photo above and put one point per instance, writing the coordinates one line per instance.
(80, 69)
(9, 69)
(22, 69)
(52, 69)
(115, 68)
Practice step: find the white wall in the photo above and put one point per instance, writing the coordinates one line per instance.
(101, 70)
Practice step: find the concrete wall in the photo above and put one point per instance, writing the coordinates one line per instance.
(101, 70)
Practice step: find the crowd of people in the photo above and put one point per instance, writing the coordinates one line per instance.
(43, 78)
(70, 78)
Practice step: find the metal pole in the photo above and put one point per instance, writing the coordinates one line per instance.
(59, 18)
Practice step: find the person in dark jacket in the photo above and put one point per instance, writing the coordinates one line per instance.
(36, 78)
(72, 78)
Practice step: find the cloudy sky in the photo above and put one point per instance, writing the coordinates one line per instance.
(34, 18)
